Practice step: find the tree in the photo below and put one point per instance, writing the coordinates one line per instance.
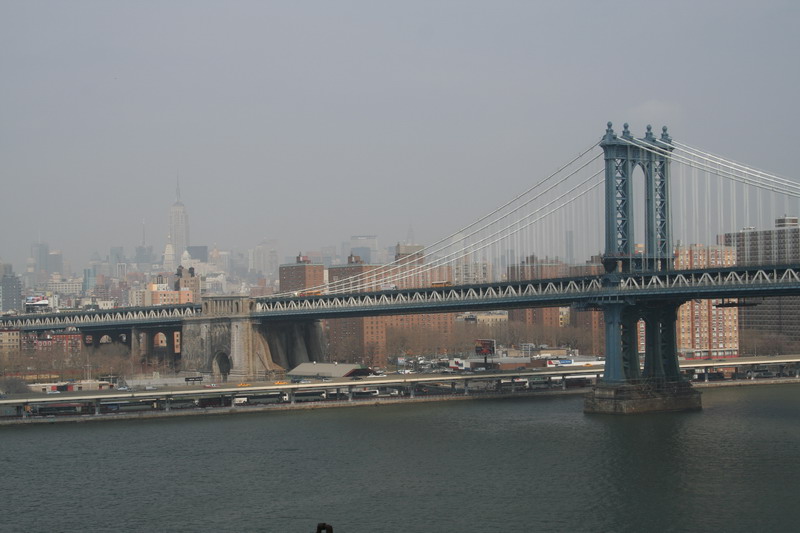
(13, 385)
(755, 342)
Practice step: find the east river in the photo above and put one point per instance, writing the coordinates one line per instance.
(527, 464)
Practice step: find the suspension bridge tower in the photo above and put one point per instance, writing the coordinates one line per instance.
(626, 387)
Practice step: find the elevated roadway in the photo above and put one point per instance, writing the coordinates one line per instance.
(405, 381)
(729, 282)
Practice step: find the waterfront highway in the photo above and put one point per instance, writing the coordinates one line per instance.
(589, 370)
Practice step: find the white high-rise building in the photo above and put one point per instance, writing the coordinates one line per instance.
(169, 263)
(178, 225)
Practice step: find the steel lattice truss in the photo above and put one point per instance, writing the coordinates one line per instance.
(675, 285)
(589, 291)
(115, 317)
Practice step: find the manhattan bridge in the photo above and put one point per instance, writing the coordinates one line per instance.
(624, 202)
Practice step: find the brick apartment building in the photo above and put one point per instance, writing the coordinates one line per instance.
(364, 339)
(777, 317)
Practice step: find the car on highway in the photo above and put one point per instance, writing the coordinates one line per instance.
(210, 386)
(281, 383)
(243, 385)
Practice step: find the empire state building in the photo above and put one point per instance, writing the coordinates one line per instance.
(178, 226)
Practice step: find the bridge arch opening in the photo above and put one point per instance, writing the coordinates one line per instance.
(222, 365)
(159, 340)
(638, 221)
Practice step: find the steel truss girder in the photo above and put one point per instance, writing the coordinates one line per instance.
(727, 282)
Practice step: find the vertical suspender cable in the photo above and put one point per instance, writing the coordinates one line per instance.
(695, 222)
(720, 207)
(707, 204)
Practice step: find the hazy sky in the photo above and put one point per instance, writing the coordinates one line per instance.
(310, 121)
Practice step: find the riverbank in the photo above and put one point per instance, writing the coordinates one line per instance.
(372, 402)
(239, 410)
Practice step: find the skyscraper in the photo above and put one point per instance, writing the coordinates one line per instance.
(40, 252)
(10, 289)
(366, 247)
(178, 225)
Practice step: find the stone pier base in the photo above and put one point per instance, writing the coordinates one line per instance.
(627, 399)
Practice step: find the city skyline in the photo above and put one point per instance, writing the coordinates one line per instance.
(508, 155)
(44, 260)
(312, 123)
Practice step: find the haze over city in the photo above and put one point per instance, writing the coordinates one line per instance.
(196, 194)
(308, 123)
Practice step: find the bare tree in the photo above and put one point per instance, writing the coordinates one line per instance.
(345, 350)
(754, 342)
(13, 385)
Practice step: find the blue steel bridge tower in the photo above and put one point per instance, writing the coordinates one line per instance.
(626, 387)
(622, 156)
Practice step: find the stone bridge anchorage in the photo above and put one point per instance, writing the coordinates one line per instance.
(227, 341)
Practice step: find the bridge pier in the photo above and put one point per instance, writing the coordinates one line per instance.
(135, 345)
(622, 343)
(292, 343)
(637, 398)
(625, 389)
(226, 341)
(660, 387)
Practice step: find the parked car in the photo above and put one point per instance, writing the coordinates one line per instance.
(712, 376)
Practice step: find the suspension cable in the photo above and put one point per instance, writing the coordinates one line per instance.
(748, 178)
(731, 164)
(400, 263)
(485, 241)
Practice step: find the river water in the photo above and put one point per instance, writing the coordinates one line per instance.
(527, 464)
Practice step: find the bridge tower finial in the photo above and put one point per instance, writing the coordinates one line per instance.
(665, 136)
(610, 135)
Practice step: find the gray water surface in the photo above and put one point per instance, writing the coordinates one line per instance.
(532, 464)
